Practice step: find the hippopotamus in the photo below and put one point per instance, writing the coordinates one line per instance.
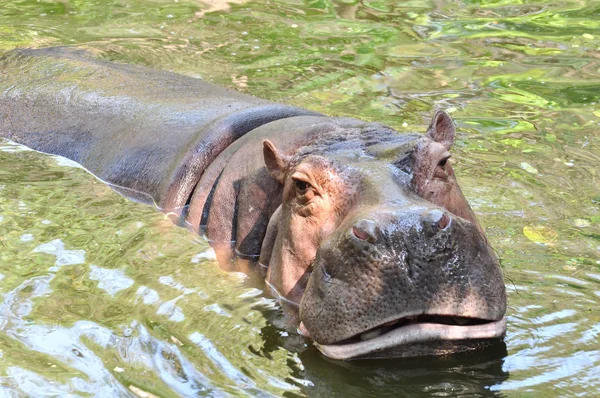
(362, 232)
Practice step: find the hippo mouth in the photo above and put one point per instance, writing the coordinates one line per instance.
(417, 335)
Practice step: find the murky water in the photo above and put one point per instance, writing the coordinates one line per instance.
(102, 296)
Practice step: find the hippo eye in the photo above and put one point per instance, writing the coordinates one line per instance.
(301, 185)
(304, 189)
(442, 163)
(440, 171)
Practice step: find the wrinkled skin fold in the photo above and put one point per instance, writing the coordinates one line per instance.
(361, 232)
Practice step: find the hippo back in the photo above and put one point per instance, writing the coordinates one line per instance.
(148, 133)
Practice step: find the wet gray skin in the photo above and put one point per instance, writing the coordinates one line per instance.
(364, 233)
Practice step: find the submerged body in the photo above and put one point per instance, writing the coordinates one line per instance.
(363, 232)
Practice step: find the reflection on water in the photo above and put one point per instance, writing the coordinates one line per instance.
(103, 296)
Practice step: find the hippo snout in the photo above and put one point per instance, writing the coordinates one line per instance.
(399, 267)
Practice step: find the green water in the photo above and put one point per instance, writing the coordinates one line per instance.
(105, 297)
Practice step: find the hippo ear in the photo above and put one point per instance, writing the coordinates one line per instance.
(442, 129)
(277, 162)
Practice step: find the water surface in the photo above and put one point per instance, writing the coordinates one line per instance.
(103, 296)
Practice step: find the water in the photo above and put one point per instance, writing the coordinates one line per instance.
(103, 296)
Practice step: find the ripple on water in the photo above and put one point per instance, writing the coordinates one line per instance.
(556, 369)
(102, 299)
(110, 280)
(63, 256)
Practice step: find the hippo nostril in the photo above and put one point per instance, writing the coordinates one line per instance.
(366, 230)
(444, 222)
(362, 235)
(437, 220)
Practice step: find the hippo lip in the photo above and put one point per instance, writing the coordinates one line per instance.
(414, 330)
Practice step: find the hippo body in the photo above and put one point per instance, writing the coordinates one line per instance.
(362, 231)
(142, 130)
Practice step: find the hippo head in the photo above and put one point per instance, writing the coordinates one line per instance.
(377, 248)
